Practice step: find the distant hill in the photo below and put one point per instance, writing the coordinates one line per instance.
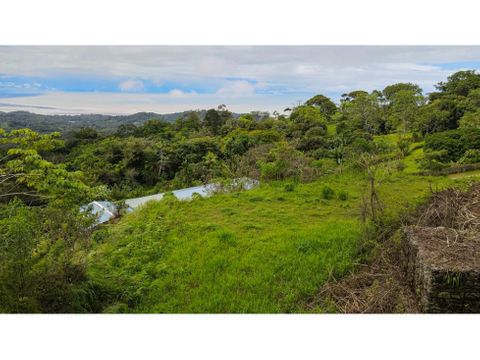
(64, 123)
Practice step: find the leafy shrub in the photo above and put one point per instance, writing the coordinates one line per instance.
(342, 195)
(435, 160)
(471, 156)
(454, 143)
(470, 120)
(417, 137)
(284, 162)
(327, 192)
(403, 145)
(325, 165)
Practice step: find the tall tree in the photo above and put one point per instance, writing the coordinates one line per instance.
(213, 122)
(361, 110)
(460, 83)
(403, 108)
(326, 106)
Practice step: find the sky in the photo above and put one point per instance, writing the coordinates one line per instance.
(166, 79)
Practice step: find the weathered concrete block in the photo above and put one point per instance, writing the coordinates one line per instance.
(443, 268)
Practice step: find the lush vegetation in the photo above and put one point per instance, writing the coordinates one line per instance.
(333, 177)
(266, 250)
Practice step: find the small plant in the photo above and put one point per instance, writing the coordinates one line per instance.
(227, 237)
(327, 192)
(342, 195)
(403, 145)
(289, 187)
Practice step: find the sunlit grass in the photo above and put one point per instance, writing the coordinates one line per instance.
(267, 250)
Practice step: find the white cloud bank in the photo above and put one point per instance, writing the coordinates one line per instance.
(131, 85)
(244, 77)
(129, 103)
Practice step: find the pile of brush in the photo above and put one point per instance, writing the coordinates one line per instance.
(449, 229)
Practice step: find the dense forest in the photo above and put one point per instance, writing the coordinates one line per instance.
(333, 176)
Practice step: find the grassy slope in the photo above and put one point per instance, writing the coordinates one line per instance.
(266, 250)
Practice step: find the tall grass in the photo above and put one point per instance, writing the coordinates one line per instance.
(267, 250)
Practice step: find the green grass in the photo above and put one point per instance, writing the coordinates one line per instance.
(390, 139)
(267, 250)
(411, 161)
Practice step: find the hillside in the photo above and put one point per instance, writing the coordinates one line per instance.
(336, 182)
(63, 123)
(266, 250)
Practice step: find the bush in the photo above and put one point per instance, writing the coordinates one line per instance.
(325, 165)
(327, 192)
(435, 160)
(403, 145)
(417, 137)
(470, 157)
(343, 195)
(284, 162)
(453, 143)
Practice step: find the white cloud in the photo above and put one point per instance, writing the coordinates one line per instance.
(410, 67)
(287, 73)
(131, 85)
(179, 94)
(237, 88)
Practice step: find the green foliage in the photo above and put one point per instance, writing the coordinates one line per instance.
(471, 156)
(403, 145)
(214, 120)
(470, 120)
(156, 127)
(450, 146)
(342, 195)
(203, 253)
(391, 92)
(460, 83)
(327, 192)
(361, 111)
(188, 124)
(276, 251)
(42, 259)
(22, 164)
(440, 115)
(403, 107)
(305, 119)
(284, 162)
(268, 250)
(326, 106)
(435, 160)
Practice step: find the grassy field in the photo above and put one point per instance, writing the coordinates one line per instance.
(267, 250)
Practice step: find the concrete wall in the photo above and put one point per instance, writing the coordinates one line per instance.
(439, 289)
